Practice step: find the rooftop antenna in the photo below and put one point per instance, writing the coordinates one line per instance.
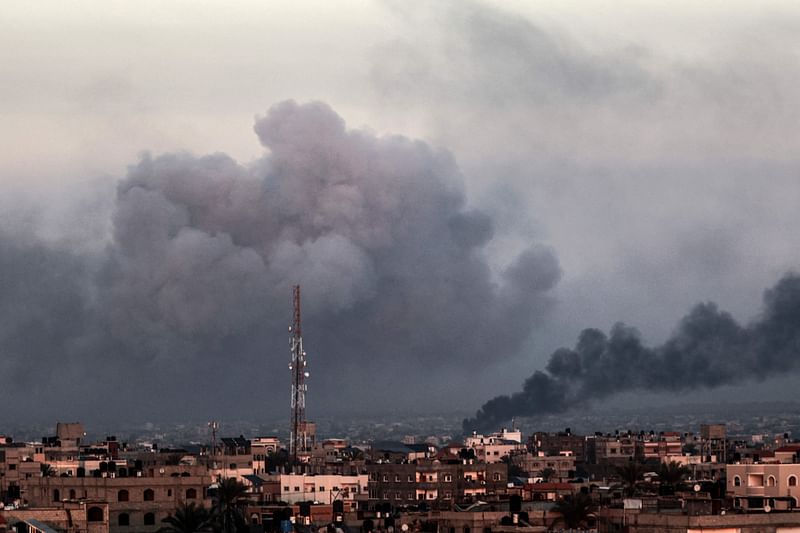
(299, 374)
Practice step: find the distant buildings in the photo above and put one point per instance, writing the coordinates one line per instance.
(500, 482)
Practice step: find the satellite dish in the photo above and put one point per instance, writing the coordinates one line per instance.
(767, 508)
(697, 487)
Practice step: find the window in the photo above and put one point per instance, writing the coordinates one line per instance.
(94, 514)
(771, 481)
(448, 478)
(398, 496)
(124, 519)
(385, 478)
(191, 494)
(169, 493)
(286, 489)
(322, 488)
(297, 489)
(149, 495)
(397, 478)
(149, 519)
(71, 494)
(737, 481)
(496, 476)
(56, 495)
(122, 496)
(792, 481)
(410, 479)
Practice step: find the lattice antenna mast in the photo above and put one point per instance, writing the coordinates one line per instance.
(299, 387)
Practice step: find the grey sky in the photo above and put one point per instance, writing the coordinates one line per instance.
(651, 146)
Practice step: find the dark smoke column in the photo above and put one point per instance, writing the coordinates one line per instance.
(708, 349)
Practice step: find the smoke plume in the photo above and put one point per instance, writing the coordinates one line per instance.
(187, 306)
(708, 349)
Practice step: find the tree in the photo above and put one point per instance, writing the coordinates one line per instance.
(575, 510)
(547, 474)
(47, 470)
(227, 505)
(630, 474)
(188, 518)
(277, 460)
(673, 473)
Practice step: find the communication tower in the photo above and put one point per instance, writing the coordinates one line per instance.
(297, 438)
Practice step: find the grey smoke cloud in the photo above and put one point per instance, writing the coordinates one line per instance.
(187, 306)
(709, 348)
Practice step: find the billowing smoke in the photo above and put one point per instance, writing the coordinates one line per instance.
(188, 304)
(708, 349)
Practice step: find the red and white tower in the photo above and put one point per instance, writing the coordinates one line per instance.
(297, 439)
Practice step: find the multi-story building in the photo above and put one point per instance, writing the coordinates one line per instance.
(613, 449)
(663, 445)
(561, 467)
(493, 448)
(764, 485)
(325, 489)
(558, 443)
(713, 442)
(136, 501)
(435, 481)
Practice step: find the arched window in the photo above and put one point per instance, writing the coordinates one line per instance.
(71, 494)
(149, 519)
(792, 481)
(94, 514)
(191, 494)
(122, 496)
(149, 495)
(56, 495)
(737, 481)
(771, 481)
(124, 519)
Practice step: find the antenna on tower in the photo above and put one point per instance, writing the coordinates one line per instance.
(214, 425)
(297, 437)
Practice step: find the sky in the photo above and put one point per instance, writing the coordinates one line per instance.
(461, 187)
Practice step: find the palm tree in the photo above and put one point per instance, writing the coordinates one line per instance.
(227, 505)
(630, 474)
(547, 474)
(47, 470)
(575, 510)
(188, 518)
(672, 473)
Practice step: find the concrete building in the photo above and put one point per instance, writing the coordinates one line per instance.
(774, 486)
(70, 517)
(436, 482)
(562, 466)
(325, 489)
(559, 443)
(135, 504)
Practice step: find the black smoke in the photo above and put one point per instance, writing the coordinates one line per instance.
(708, 349)
(185, 308)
